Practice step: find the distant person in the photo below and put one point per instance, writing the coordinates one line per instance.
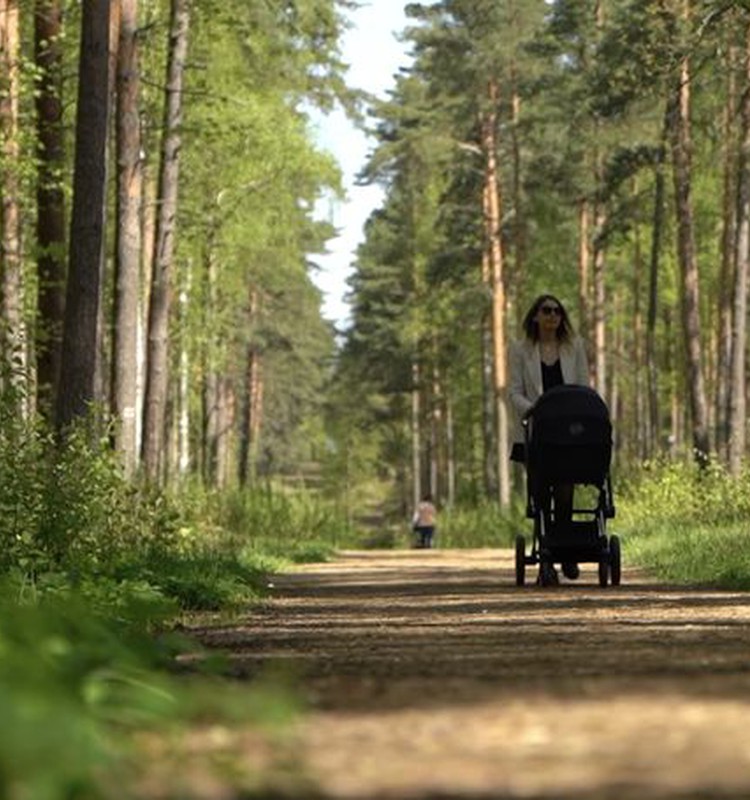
(423, 522)
(548, 355)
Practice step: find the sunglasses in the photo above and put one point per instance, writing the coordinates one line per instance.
(549, 310)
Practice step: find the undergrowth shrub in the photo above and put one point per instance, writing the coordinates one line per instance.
(281, 524)
(687, 524)
(483, 526)
(681, 492)
(70, 518)
(94, 571)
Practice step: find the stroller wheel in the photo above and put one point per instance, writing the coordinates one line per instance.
(603, 568)
(614, 560)
(520, 560)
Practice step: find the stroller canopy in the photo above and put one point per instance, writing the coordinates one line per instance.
(569, 436)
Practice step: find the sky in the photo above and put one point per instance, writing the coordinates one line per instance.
(374, 55)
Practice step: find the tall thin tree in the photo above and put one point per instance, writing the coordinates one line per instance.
(80, 334)
(13, 326)
(738, 389)
(129, 246)
(681, 144)
(157, 359)
(494, 245)
(50, 201)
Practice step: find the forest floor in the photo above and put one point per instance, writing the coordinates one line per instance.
(429, 674)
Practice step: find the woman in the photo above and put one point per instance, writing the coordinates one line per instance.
(549, 354)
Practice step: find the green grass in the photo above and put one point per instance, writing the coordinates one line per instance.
(484, 526)
(686, 525)
(703, 555)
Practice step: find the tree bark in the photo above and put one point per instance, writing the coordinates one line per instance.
(657, 229)
(129, 246)
(640, 432)
(226, 415)
(250, 415)
(489, 450)
(157, 361)
(183, 395)
(450, 454)
(50, 202)
(686, 253)
(495, 251)
(738, 400)
(519, 218)
(726, 274)
(416, 439)
(583, 272)
(80, 335)
(13, 325)
(600, 298)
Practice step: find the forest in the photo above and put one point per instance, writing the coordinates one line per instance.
(178, 417)
(160, 176)
(594, 150)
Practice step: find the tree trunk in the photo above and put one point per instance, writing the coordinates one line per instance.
(728, 243)
(183, 394)
(738, 400)
(657, 229)
(129, 246)
(640, 429)
(583, 272)
(489, 450)
(225, 415)
(450, 454)
(686, 254)
(157, 361)
(14, 330)
(210, 401)
(210, 388)
(495, 251)
(598, 310)
(50, 202)
(519, 220)
(80, 343)
(726, 273)
(600, 302)
(148, 232)
(416, 440)
(249, 420)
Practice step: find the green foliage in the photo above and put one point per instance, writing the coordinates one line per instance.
(70, 680)
(281, 524)
(94, 573)
(70, 519)
(688, 525)
(483, 526)
(78, 690)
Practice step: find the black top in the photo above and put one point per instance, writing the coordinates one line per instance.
(551, 375)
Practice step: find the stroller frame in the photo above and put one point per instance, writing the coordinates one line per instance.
(568, 439)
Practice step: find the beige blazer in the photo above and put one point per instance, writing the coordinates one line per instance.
(525, 366)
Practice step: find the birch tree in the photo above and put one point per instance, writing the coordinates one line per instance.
(13, 330)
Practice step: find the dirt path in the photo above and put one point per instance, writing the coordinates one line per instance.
(430, 675)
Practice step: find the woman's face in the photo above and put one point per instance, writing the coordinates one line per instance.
(549, 315)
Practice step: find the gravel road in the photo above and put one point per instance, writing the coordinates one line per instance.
(429, 674)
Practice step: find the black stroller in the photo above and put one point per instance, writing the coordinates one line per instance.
(568, 441)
